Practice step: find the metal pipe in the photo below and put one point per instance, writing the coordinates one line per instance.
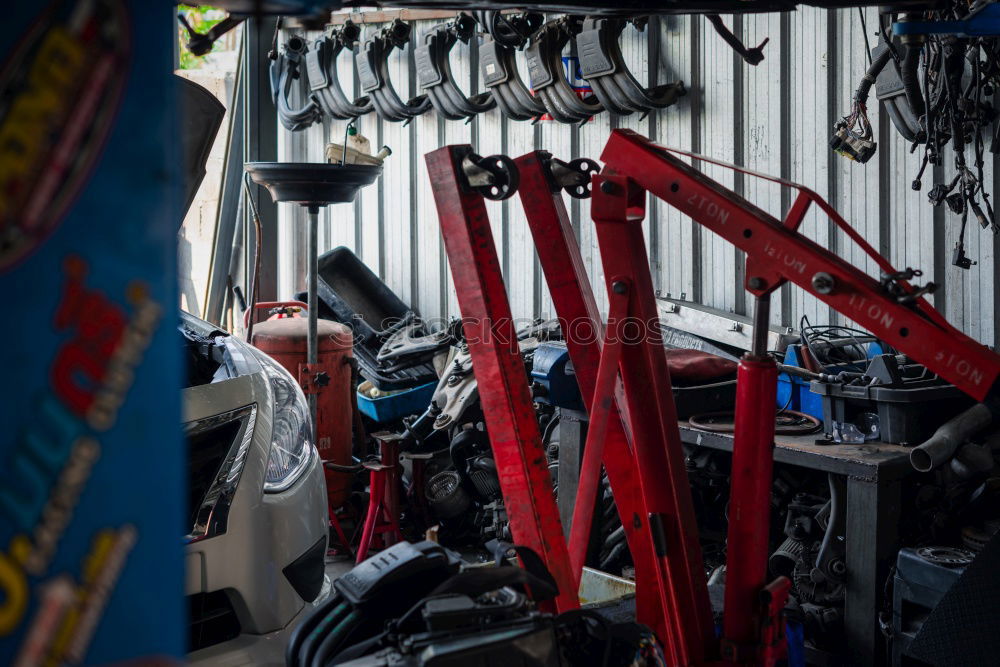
(750, 490)
(761, 319)
(946, 440)
(312, 344)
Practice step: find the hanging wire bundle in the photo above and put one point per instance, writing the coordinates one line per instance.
(938, 90)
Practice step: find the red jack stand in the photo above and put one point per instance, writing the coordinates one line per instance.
(344, 542)
(383, 504)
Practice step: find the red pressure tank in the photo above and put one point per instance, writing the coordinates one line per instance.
(285, 340)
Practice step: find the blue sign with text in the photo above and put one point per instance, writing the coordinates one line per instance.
(91, 479)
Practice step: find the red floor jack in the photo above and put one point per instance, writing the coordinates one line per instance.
(633, 421)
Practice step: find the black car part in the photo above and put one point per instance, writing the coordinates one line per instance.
(380, 598)
(350, 293)
(852, 135)
(434, 70)
(511, 30)
(498, 66)
(201, 43)
(545, 68)
(383, 586)
(752, 56)
(373, 71)
(324, 80)
(604, 68)
(286, 68)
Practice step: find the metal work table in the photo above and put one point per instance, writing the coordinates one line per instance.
(874, 472)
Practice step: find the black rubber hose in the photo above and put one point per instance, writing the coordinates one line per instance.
(334, 639)
(834, 527)
(864, 88)
(302, 630)
(909, 68)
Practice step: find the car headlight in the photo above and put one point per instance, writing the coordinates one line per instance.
(291, 433)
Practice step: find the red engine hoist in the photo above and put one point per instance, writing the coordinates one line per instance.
(621, 368)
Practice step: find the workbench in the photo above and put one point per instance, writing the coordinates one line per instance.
(874, 472)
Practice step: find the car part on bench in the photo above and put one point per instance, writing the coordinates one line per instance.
(286, 68)
(548, 78)
(324, 80)
(434, 70)
(511, 30)
(604, 68)
(373, 71)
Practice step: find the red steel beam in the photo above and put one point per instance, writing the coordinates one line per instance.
(503, 385)
(618, 207)
(918, 330)
(573, 298)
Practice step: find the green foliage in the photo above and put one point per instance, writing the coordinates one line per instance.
(202, 19)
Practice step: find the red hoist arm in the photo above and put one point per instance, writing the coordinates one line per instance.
(776, 252)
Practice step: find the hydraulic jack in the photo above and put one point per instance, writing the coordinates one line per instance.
(623, 375)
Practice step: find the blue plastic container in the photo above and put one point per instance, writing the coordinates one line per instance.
(400, 404)
(794, 393)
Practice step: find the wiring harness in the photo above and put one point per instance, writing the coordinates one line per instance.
(934, 88)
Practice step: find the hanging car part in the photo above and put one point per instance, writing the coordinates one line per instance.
(324, 79)
(548, 76)
(434, 70)
(287, 68)
(373, 71)
(852, 136)
(752, 56)
(512, 30)
(604, 68)
(498, 65)
(201, 43)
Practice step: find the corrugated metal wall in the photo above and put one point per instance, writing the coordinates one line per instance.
(774, 118)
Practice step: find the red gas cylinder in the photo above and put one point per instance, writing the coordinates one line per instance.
(285, 340)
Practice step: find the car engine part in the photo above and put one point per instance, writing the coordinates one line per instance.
(324, 80)
(373, 70)
(434, 70)
(287, 68)
(498, 66)
(548, 79)
(604, 68)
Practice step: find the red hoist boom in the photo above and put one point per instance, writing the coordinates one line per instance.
(622, 372)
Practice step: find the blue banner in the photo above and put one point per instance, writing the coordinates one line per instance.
(91, 455)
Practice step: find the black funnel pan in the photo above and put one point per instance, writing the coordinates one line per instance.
(312, 183)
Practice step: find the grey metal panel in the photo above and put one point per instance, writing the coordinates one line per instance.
(810, 66)
(718, 102)
(856, 195)
(775, 118)
(677, 236)
(761, 129)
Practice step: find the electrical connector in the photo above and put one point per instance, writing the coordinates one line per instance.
(851, 146)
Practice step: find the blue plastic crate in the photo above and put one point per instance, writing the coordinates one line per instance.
(396, 405)
(794, 393)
